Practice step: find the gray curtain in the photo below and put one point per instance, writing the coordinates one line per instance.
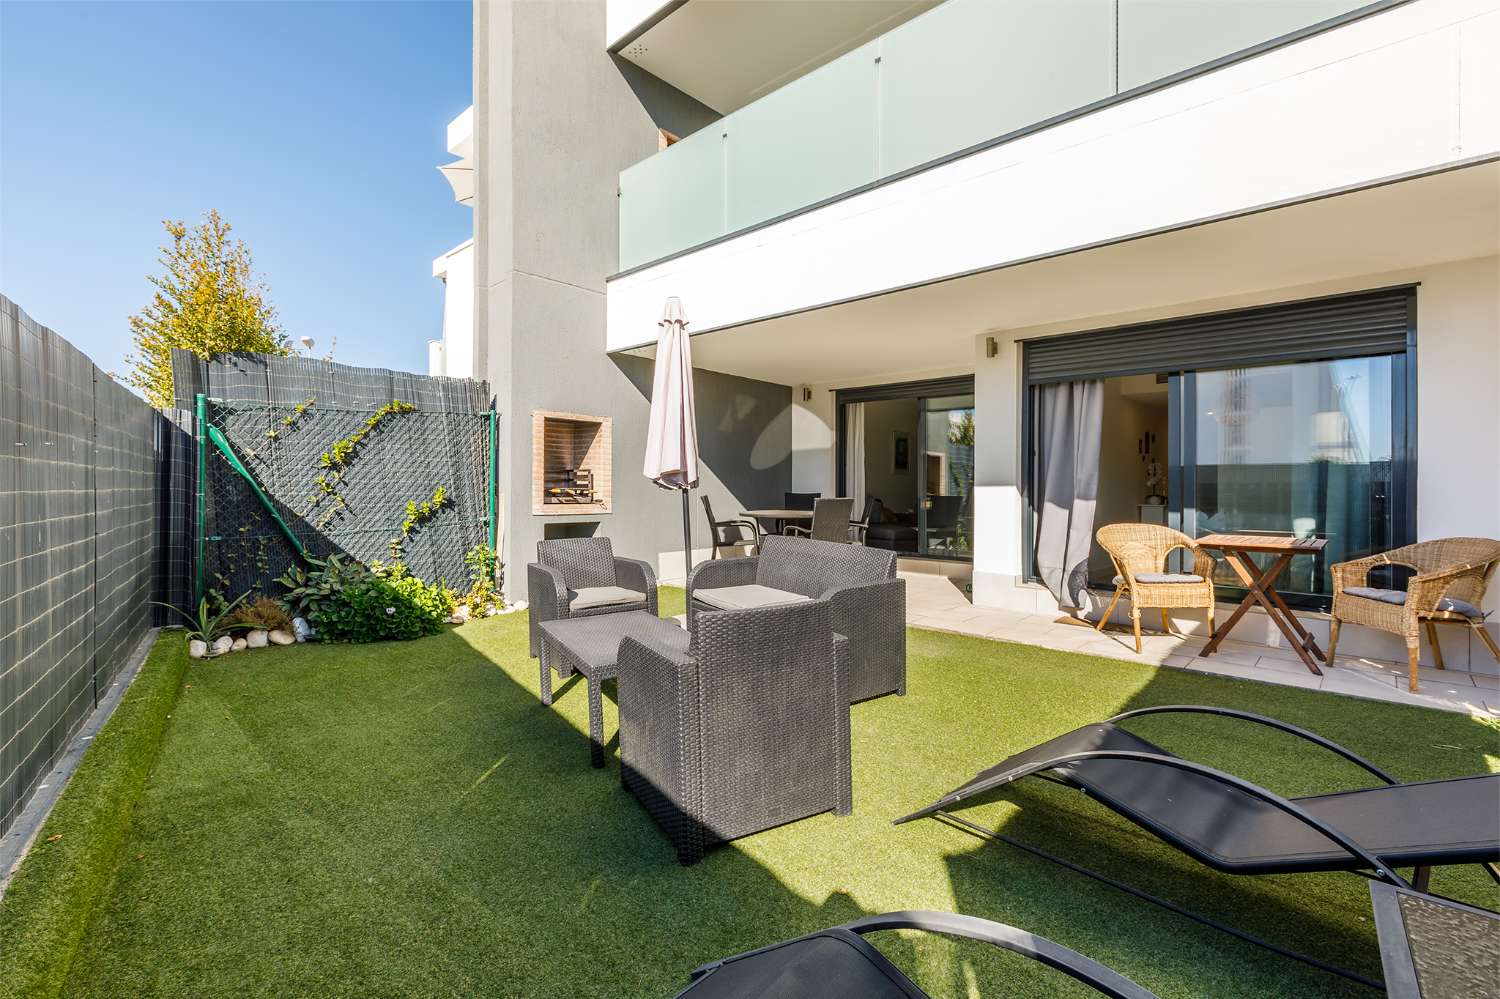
(1067, 422)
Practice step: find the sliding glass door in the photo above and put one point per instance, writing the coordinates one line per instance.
(1295, 419)
(906, 456)
(947, 497)
(1307, 449)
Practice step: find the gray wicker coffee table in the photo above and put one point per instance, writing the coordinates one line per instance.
(591, 646)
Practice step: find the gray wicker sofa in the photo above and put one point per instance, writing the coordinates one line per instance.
(868, 601)
(581, 577)
(745, 729)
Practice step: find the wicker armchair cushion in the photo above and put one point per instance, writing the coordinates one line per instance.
(587, 597)
(1449, 605)
(1168, 577)
(746, 597)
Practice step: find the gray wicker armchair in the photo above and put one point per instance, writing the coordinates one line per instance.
(869, 602)
(581, 577)
(747, 729)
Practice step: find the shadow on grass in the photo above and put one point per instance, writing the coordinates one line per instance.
(1326, 916)
(408, 819)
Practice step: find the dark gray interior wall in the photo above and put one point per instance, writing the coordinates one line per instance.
(78, 466)
(555, 123)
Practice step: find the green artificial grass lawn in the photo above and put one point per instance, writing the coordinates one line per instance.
(406, 819)
(69, 871)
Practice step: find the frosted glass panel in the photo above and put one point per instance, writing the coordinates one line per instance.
(811, 140)
(970, 70)
(673, 200)
(963, 73)
(1162, 37)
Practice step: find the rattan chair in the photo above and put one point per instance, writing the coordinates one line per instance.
(1139, 552)
(581, 577)
(1452, 575)
(830, 521)
(741, 533)
(746, 729)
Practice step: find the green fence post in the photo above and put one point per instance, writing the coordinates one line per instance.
(200, 408)
(222, 443)
(494, 483)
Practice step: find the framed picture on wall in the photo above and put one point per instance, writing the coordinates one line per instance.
(901, 451)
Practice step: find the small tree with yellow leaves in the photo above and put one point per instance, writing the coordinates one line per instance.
(207, 301)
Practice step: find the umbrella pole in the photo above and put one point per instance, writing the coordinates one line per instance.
(687, 539)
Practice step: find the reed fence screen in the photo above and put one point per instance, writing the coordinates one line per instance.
(302, 455)
(79, 464)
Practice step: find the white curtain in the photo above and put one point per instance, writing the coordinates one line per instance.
(1069, 421)
(854, 455)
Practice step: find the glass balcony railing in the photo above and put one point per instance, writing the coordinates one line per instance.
(963, 73)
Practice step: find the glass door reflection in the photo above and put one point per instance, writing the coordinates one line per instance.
(946, 511)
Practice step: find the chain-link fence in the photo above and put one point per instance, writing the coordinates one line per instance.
(309, 456)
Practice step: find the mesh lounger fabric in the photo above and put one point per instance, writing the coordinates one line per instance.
(1432, 822)
(835, 964)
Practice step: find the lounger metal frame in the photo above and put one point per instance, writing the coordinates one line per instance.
(1375, 870)
(1054, 955)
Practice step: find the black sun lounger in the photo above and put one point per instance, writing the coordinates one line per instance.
(839, 963)
(1237, 827)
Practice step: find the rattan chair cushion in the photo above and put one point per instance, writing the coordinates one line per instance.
(747, 597)
(1448, 605)
(1167, 577)
(588, 597)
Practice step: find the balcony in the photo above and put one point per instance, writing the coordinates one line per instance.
(960, 76)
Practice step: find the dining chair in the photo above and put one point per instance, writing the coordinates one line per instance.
(830, 521)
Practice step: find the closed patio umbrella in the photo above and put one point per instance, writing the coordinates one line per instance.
(672, 433)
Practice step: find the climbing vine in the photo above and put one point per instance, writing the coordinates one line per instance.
(416, 515)
(336, 459)
(291, 419)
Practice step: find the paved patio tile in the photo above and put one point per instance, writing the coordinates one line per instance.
(1360, 684)
(936, 604)
(1426, 674)
(1247, 656)
(1289, 665)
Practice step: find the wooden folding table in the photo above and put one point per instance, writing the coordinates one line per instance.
(1237, 549)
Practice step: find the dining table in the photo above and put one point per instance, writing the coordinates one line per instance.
(1260, 586)
(780, 517)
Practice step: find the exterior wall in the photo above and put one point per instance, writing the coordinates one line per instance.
(1312, 117)
(1458, 455)
(815, 426)
(456, 270)
(555, 121)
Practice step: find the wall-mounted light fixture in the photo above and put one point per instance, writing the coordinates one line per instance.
(806, 394)
(991, 347)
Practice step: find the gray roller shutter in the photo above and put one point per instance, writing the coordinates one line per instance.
(1377, 322)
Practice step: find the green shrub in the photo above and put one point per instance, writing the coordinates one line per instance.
(484, 570)
(307, 590)
(376, 609)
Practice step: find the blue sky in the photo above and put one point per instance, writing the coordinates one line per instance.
(314, 128)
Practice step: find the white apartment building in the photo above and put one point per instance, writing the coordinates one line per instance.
(453, 355)
(1237, 263)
